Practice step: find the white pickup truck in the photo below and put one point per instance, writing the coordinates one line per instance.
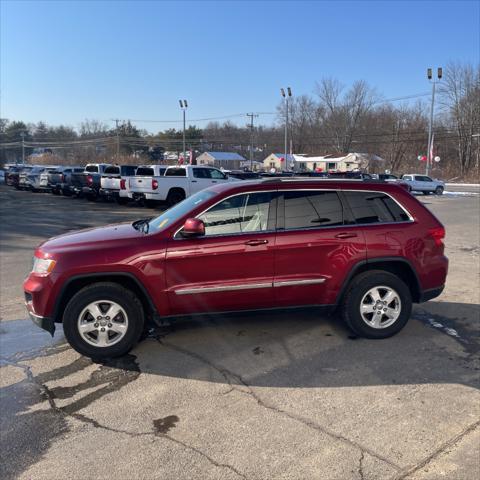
(177, 183)
(114, 180)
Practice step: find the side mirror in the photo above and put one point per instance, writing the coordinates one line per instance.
(193, 227)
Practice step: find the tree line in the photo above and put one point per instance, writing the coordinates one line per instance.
(335, 119)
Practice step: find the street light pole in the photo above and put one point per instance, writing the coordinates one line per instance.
(430, 125)
(183, 106)
(22, 134)
(286, 96)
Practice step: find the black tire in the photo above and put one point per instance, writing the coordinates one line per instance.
(176, 195)
(439, 191)
(360, 285)
(104, 291)
(55, 191)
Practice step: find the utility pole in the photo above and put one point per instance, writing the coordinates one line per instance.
(22, 134)
(183, 106)
(252, 116)
(118, 139)
(430, 126)
(286, 96)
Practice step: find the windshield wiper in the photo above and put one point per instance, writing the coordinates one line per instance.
(142, 224)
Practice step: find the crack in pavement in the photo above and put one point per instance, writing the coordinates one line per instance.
(360, 465)
(228, 375)
(64, 412)
(435, 454)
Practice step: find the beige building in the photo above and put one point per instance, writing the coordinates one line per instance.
(277, 161)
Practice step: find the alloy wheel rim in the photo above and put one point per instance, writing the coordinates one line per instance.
(380, 307)
(102, 323)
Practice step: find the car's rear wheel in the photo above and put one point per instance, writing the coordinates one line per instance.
(377, 304)
(103, 320)
(439, 191)
(175, 196)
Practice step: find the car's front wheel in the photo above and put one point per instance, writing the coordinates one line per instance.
(103, 320)
(439, 191)
(377, 304)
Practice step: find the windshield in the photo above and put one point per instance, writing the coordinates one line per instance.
(178, 211)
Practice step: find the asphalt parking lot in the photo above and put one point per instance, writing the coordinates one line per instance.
(257, 396)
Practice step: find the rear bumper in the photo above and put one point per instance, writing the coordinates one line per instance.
(431, 293)
(104, 192)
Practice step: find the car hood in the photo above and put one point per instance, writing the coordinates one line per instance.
(92, 237)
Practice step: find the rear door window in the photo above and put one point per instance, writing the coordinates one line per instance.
(176, 172)
(312, 209)
(375, 207)
(201, 173)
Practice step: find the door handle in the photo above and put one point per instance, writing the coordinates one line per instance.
(214, 181)
(194, 181)
(346, 235)
(256, 242)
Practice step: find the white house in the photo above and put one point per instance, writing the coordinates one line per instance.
(226, 160)
(323, 163)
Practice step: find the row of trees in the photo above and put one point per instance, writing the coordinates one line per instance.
(334, 119)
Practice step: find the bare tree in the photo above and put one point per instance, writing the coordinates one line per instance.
(460, 94)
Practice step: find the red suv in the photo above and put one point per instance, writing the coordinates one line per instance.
(369, 248)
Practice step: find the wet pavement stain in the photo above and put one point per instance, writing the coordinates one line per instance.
(453, 327)
(163, 425)
(18, 449)
(258, 351)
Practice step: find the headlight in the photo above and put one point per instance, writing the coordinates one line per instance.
(43, 265)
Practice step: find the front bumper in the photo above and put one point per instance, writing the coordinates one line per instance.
(39, 294)
(43, 322)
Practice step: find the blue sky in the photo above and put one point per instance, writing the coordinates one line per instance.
(62, 62)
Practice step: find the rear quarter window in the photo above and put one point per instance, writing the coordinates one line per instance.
(91, 168)
(374, 207)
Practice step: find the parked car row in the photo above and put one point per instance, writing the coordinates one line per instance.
(146, 184)
(150, 185)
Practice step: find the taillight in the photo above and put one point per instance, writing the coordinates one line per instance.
(89, 179)
(123, 185)
(62, 177)
(438, 234)
(154, 184)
